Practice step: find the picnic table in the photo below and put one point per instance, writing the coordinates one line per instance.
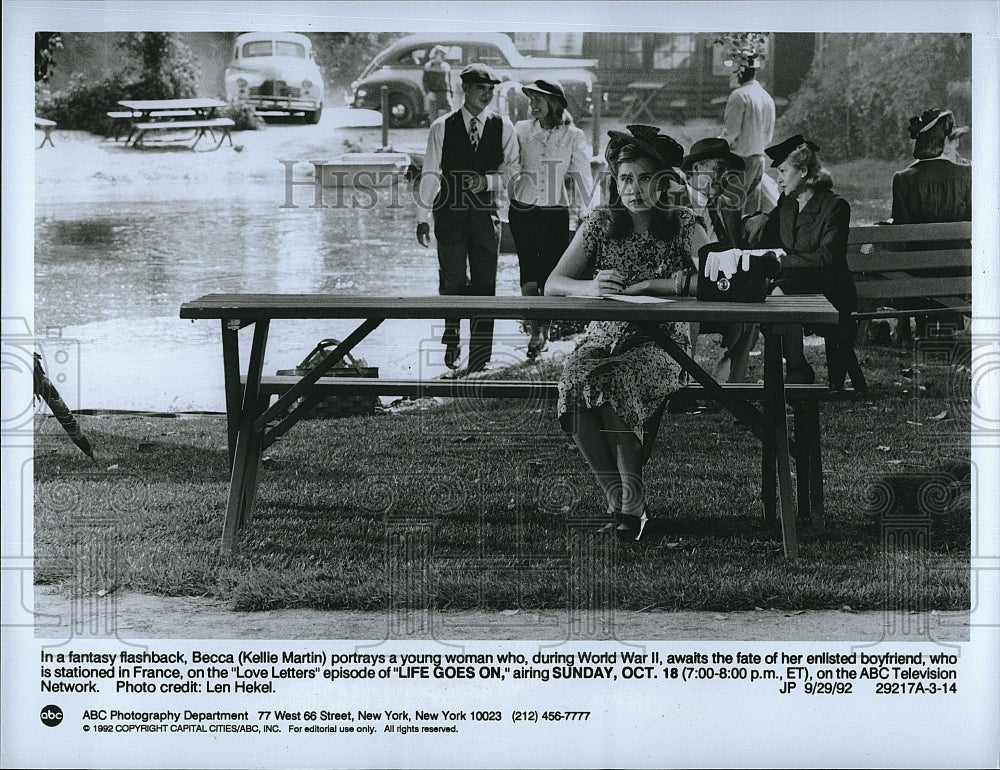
(639, 99)
(253, 422)
(195, 114)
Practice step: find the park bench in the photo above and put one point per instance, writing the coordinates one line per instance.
(200, 127)
(917, 263)
(47, 126)
(804, 401)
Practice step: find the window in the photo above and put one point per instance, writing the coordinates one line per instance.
(257, 48)
(488, 55)
(616, 50)
(285, 48)
(674, 52)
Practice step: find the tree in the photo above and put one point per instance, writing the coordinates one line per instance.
(167, 67)
(858, 97)
(46, 44)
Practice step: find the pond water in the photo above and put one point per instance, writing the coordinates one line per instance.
(110, 278)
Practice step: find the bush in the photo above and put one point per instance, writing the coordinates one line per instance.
(160, 66)
(244, 116)
(83, 105)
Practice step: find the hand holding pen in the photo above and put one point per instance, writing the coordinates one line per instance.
(608, 282)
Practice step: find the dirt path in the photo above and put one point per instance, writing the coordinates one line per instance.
(132, 616)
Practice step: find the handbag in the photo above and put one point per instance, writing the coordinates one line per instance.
(348, 366)
(750, 285)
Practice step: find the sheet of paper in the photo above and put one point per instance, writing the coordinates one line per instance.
(636, 298)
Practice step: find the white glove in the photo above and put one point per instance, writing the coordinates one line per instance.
(725, 262)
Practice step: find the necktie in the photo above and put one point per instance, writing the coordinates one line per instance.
(474, 133)
(717, 222)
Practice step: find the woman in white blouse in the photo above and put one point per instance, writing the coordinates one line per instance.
(555, 178)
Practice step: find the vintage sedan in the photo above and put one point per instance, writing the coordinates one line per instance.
(400, 68)
(276, 72)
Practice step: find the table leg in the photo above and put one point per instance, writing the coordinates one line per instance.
(234, 389)
(777, 429)
(242, 485)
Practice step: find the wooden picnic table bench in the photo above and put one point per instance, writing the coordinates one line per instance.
(47, 126)
(200, 127)
(253, 421)
(926, 265)
(122, 121)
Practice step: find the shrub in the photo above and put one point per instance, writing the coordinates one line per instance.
(244, 116)
(83, 105)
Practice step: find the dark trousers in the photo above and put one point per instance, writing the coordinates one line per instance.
(541, 235)
(468, 243)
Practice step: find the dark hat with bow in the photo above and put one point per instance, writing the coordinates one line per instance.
(649, 139)
(778, 152)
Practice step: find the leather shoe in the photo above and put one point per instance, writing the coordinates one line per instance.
(451, 353)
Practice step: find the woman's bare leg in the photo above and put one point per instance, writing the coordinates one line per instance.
(626, 450)
(593, 444)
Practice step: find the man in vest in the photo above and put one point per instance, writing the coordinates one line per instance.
(471, 156)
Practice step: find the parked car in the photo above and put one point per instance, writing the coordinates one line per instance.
(276, 72)
(400, 68)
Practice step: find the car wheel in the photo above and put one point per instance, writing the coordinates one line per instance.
(402, 112)
(313, 116)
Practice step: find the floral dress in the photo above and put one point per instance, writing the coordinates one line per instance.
(615, 362)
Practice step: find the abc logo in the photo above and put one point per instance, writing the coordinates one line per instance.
(51, 716)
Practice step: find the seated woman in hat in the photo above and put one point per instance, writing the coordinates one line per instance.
(810, 223)
(555, 177)
(936, 187)
(614, 384)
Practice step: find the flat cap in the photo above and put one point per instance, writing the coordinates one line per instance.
(479, 73)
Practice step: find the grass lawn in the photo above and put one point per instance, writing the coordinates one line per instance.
(485, 504)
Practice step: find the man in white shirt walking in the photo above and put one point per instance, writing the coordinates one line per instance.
(471, 155)
(748, 125)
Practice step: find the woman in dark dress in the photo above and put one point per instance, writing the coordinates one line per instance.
(615, 382)
(936, 187)
(810, 223)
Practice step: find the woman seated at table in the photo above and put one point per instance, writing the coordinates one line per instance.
(810, 223)
(615, 382)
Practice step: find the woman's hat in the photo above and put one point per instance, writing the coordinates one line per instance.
(778, 152)
(705, 149)
(650, 140)
(919, 124)
(436, 50)
(550, 87)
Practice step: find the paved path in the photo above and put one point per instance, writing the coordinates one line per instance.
(133, 616)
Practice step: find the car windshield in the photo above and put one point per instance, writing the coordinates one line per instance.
(284, 48)
(274, 48)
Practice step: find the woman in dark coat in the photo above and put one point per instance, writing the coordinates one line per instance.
(810, 223)
(936, 187)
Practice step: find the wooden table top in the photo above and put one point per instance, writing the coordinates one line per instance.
(146, 105)
(807, 308)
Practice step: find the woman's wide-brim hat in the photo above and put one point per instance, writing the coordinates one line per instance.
(930, 118)
(707, 149)
(550, 87)
(649, 140)
(778, 152)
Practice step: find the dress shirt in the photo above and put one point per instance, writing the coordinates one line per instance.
(430, 177)
(748, 125)
(548, 158)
